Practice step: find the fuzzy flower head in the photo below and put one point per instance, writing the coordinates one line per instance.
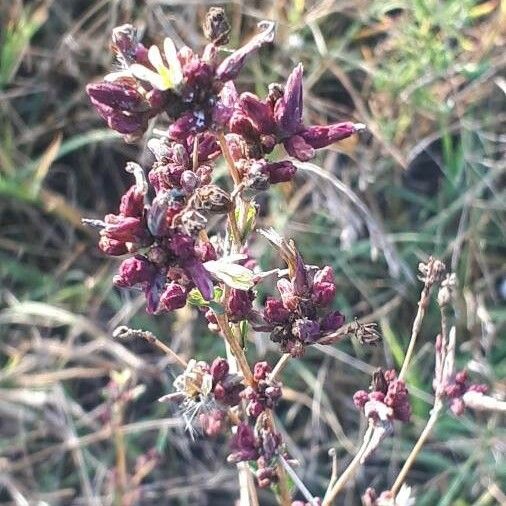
(204, 391)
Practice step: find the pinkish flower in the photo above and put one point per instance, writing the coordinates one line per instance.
(173, 297)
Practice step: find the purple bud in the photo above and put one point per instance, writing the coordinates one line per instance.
(200, 277)
(297, 147)
(288, 110)
(239, 304)
(261, 370)
(208, 148)
(154, 290)
(243, 444)
(174, 297)
(118, 96)
(213, 423)
(275, 312)
(232, 65)
(112, 247)
(189, 181)
(182, 245)
(290, 300)
(224, 107)
(321, 136)
(255, 408)
(219, 369)
(187, 124)
(306, 330)
(360, 398)
(324, 288)
(279, 172)
(273, 393)
(132, 203)
(332, 321)
(258, 113)
(124, 228)
(133, 271)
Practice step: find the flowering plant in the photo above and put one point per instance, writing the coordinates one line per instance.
(164, 231)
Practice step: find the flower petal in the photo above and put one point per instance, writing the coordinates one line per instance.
(144, 74)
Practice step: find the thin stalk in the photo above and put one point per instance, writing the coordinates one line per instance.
(418, 446)
(305, 492)
(234, 173)
(350, 471)
(278, 368)
(125, 332)
(233, 342)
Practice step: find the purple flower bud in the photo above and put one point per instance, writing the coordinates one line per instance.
(132, 203)
(189, 181)
(219, 369)
(201, 277)
(112, 247)
(332, 321)
(261, 370)
(243, 444)
(174, 297)
(213, 423)
(255, 408)
(279, 172)
(121, 106)
(198, 74)
(133, 271)
(231, 66)
(118, 96)
(186, 125)
(124, 228)
(290, 300)
(306, 330)
(239, 304)
(324, 293)
(360, 398)
(321, 136)
(224, 107)
(154, 290)
(288, 110)
(258, 113)
(182, 245)
(275, 312)
(297, 147)
(208, 148)
(273, 393)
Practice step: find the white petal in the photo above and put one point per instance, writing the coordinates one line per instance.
(155, 57)
(145, 74)
(175, 68)
(114, 76)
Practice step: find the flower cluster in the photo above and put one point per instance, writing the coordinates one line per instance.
(301, 316)
(264, 393)
(195, 91)
(457, 387)
(207, 391)
(260, 444)
(387, 399)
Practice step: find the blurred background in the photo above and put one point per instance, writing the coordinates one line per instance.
(78, 409)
